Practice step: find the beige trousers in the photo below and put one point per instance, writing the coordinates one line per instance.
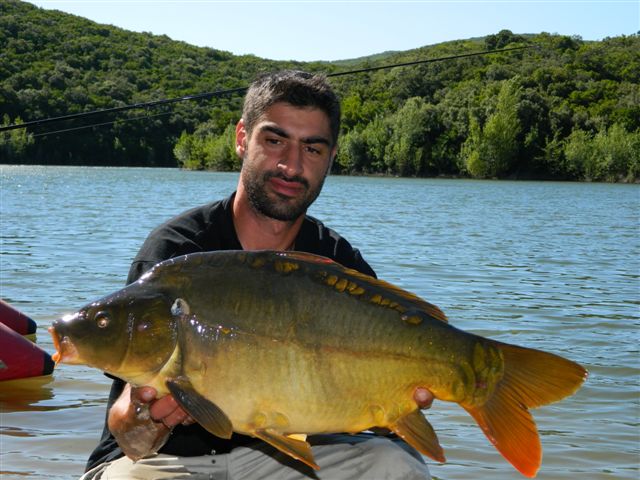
(340, 457)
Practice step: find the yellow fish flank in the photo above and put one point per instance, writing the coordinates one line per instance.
(281, 344)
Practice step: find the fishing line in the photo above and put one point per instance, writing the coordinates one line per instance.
(232, 91)
(154, 103)
(123, 120)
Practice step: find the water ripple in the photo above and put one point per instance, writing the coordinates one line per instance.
(554, 266)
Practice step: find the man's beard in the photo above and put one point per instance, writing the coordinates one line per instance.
(279, 207)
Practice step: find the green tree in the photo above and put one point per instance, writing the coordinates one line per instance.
(376, 137)
(190, 152)
(13, 143)
(609, 155)
(502, 39)
(207, 150)
(409, 151)
(352, 153)
(578, 153)
(492, 150)
(221, 151)
(617, 154)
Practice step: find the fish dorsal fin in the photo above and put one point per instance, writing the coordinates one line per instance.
(418, 432)
(205, 412)
(379, 291)
(298, 449)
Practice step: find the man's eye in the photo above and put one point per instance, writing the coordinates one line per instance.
(274, 141)
(313, 150)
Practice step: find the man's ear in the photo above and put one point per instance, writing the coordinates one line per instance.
(334, 152)
(241, 139)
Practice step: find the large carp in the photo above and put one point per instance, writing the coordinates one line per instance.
(277, 344)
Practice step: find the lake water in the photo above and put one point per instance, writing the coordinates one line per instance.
(554, 266)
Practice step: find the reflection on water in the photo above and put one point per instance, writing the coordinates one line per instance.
(554, 266)
(26, 395)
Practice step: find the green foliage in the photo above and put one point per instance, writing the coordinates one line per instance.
(189, 152)
(491, 151)
(609, 155)
(206, 150)
(54, 64)
(14, 143)
(221, 151)
(568, 110)
(502, 39)
(409, 148)
(352, 153)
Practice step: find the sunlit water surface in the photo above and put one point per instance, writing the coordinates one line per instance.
(554, 266)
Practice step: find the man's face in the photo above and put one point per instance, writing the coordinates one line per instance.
(285, 160)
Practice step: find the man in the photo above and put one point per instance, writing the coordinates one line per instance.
(287, 139)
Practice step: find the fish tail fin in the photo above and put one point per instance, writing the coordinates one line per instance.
(531, 378)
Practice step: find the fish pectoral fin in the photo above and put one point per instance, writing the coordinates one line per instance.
(298, 449)
(205, 412)
(418, 432)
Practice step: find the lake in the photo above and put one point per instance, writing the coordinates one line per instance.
(553, 266)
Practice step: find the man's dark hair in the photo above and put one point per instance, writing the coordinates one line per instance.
(300, 89)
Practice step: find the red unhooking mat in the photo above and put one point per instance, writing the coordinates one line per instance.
(21, 358)
(16, 320)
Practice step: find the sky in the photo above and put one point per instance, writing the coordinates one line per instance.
(308, 30)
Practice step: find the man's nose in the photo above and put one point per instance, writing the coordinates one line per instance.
(291, 162)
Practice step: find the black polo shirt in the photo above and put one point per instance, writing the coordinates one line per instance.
(208, 228)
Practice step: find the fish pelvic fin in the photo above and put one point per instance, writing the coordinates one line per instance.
(298, 449)
(415, 429)
(531, 378)
(205, 412)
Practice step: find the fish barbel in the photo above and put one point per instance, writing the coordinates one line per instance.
(278, 344)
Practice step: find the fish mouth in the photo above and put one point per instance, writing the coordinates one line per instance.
(66, 351)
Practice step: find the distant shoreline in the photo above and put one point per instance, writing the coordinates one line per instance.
(512, 178)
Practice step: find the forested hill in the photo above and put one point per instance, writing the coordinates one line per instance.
(567, 110)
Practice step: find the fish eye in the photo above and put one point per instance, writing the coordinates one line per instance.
(102, 319)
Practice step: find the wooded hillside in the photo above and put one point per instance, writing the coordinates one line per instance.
(567, 110)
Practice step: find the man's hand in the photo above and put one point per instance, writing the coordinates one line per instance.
(140, 423)
(165, 410)
(423, 397)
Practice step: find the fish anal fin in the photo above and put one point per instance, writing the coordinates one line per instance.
(205, 412)
(298, 449)
(418, 432)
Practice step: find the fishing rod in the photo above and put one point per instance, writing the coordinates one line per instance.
(232, 91)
